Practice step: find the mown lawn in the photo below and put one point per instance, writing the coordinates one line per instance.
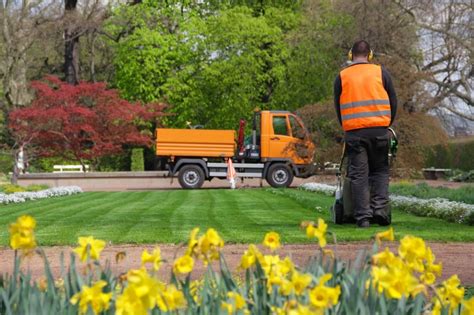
(240, 216)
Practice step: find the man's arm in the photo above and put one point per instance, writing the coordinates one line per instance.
(388, 86)
(337, 96)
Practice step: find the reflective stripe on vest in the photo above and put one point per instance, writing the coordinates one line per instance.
(364, 103)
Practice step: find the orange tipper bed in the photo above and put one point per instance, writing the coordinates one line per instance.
(195, 142)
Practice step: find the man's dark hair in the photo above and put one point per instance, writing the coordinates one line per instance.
(360, 48)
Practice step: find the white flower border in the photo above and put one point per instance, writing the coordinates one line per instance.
(441, 208)
(19, 197)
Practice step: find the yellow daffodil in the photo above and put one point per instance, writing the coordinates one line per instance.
(227, 307)
(300, 282)
(385, 236)
(468, 307)
(144, 287)
(171, 299)
(396, 279)
(193, 242)
(318, 232)
(413, 251)
(236, 303)
(285, 266)
(249, 257)
(286, 287)
(431, 269)
(89, 246)
(238, 300)
(328, 252)
(183, 265)
(209, 245)
(292, 307)
(93, 298)
(272, 240)
(323, 297)
(152, 258)
(22, 234)
(129, 304)
(451, 293)
(268, 262)
(384, 258)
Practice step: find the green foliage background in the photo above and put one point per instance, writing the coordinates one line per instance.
(455, 155)
(137, 161)
(215, 67)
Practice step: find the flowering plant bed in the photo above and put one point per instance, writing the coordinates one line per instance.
(383, 282)
(18, 197)
(441, 208)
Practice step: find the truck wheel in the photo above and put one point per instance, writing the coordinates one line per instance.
(191, 177)
(279, 175)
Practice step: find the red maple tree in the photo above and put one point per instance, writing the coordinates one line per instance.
(84, 121)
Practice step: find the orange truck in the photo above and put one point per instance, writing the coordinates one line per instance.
(278, 149)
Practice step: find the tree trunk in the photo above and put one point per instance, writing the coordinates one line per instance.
(16, 170)
(71, 49)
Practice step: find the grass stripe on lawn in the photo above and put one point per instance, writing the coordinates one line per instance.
(240, 216)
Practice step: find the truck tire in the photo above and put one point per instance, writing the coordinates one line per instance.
(191, 177)
(279, 175)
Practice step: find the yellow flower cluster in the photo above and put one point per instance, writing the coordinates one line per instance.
(153, 258)
(93, 298)
(321, 297)
(318, 232)
(206, 247)
(144, 292)
(449, 294)
(282, 275)
(89, 248)
(234, 303)
(22, 234)
(405, 274)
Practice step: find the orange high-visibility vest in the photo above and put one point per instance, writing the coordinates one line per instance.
(364, 103)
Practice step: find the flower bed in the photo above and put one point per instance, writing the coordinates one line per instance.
(381, 283)
(47, 193)
(440, 208)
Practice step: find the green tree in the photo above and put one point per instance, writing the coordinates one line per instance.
(213, 70)
(316, 54)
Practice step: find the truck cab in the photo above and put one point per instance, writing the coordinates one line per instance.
(278, 149)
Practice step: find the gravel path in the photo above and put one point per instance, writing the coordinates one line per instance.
(456, 257)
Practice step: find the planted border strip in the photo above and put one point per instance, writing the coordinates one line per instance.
(20, 197)
(440, 208)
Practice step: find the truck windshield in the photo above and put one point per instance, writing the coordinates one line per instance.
(296, 128)
(279, 126)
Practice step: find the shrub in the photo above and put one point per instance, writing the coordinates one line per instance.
(381, 282)
(36, 187)
(137, 161)
(454, 155)
(10, 188)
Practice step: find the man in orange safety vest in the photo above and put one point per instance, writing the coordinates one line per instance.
(366, 105)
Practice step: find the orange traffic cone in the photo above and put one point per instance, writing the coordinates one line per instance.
(231, 174)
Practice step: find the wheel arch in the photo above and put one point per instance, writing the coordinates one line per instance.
(183, 162)
(270, 162)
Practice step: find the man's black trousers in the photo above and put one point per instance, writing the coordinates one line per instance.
(368, 170)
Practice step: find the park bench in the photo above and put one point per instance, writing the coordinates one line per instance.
(69, 168)
(436, 173)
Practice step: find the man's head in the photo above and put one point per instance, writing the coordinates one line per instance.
(360, 51)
